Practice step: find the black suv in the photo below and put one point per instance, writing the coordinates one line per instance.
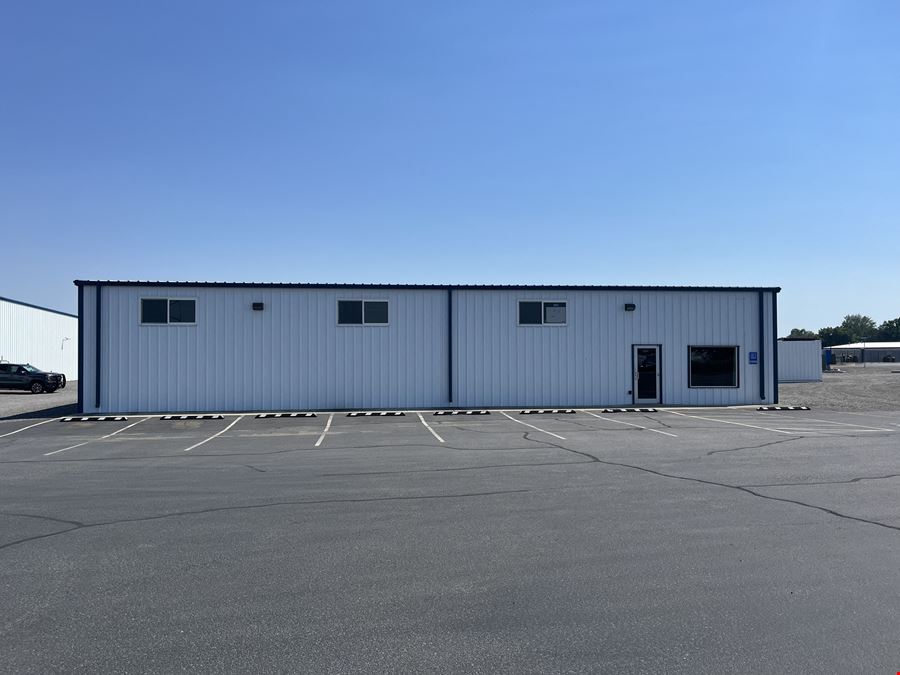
(27, 377)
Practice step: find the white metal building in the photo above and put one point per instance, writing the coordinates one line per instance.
(866, 352)
(799, 360)
(184, 346)
(45, 338)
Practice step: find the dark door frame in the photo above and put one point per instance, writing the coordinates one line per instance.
(659, 371)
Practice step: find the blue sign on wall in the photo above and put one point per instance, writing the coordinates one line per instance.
(754, 358)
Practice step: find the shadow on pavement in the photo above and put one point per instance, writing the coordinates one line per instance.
(56, 411)
(20, 405)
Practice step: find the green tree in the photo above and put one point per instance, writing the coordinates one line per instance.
(857, 327)
(889, 331)
(833, 336)
(801, 333)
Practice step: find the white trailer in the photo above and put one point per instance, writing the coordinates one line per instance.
(799, 360)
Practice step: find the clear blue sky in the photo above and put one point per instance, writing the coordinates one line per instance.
(710, 143)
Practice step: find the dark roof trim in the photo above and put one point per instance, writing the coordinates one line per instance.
(461, 287)
(46, 309)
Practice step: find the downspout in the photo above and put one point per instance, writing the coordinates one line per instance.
(80, 349)
(775, 347)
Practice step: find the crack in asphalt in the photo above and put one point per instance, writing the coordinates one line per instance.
(741, 488)
(456, 468)
(181, 456)
(578, 423)
(753, 447)
(247, 507)
(824, 482)
(254, 468)
(227, 454)
(471, 430)
(526, 436)
(658, 421)
(77, 523)
(746, 489)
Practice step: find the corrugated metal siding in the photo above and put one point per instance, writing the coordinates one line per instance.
(290, 356)
(799, 360)
(588, 361)
(36, 336)
(294, 356)
(88, 364)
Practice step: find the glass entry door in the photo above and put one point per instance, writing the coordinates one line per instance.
(646, 373)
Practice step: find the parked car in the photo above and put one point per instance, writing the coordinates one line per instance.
(889, 358)
(27, 377)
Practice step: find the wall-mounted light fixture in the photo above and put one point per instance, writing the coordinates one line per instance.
(630, 306)
(258, 306)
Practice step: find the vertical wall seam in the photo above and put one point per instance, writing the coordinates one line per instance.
(449, 345)
(762, 346)
(97, 349)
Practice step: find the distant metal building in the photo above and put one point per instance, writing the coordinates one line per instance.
(186, 346)
(799, 360)
(866, 352)
(45, 338)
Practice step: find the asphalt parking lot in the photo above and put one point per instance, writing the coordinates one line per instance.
(681, 541)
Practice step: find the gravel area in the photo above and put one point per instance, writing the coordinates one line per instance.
(24, 404)
(853, 388)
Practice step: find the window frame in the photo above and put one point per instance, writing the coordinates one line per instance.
(181, 323)
(168, 300)
(337, 312)
(543, 313)
(737, 367)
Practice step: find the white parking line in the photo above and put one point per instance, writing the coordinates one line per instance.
(433, 432)
(325, 430)
(609, 419)
(119, 431)
(30, 426)
(833, 430)
(877, 417)
(846, 424)
(215, 435)
(740, 424)
(804, 418)
(549, 433)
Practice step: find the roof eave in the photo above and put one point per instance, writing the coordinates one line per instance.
(475, 287)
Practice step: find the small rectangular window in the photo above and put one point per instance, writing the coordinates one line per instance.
(713, 367)
(350, 312)
(154, 310)
(376, 312)
(161, 311)
(554, 312)
(182, 311)
(530, 313)
(359, 312)
(538, 313)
